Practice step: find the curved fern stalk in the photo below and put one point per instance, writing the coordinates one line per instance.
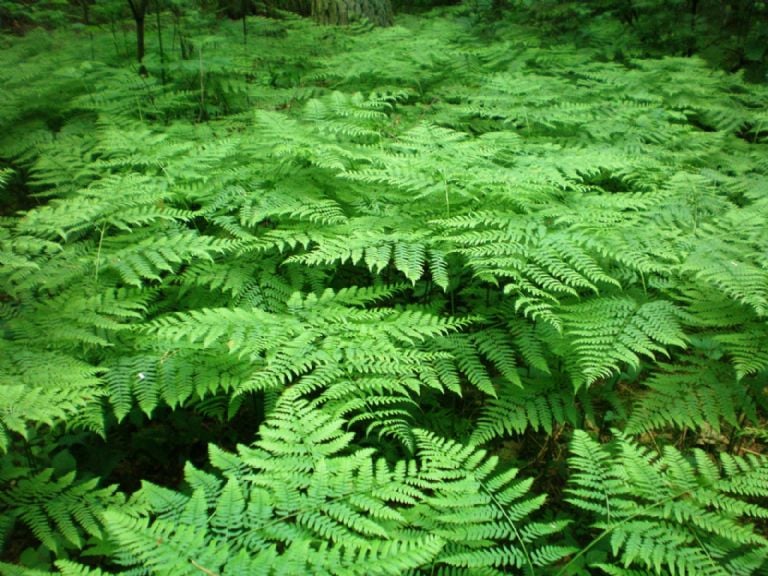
(668, 513)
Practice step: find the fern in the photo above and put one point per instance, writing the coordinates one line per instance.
(363, 360)
(739, 279)
(383, 247)
(608, 332)
(61, 512)
(298, 500)
(693, 395)
(666, 513)
(539, 405)
(42, 387)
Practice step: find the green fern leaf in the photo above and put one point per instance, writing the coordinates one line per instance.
(656, 508)
(607, 332)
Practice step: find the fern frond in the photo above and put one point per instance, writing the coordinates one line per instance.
(140, 201)
(668, 512)
(45, 387)
(16, 570)
(721, 266)
(147, 259)
(539, 404)
(692, 395)
(607, 332)
(747, 348)
(69, 568)
(61, 512)
(299, 497)
(287, 203)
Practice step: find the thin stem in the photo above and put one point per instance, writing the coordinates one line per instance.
(613, 527)
(202, 83)
(202, 568)
(98, 254)
(160, 42)
(511, 524)
(447, 199)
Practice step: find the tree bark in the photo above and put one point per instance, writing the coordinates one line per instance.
(139, 11)
(341, 12)
(86, 6)
(140, 39)
(301, 7)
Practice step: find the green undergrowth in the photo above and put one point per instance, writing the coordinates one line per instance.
(442, 298)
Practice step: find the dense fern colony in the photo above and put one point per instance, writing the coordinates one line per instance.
(452, 303)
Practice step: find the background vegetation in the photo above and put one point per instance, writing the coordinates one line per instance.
(482, 292)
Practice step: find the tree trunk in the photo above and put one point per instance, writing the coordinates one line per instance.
(234, 9)
(301, 7)
(140, 39)
(86, 6)
(378, 12)
(692, 40)
(139, 11)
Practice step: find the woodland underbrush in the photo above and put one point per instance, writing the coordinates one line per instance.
(451, 297)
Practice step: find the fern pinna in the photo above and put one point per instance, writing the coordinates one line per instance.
(390, 276)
